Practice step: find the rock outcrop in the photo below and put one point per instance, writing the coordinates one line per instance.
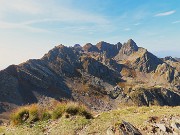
(90, 48)
(169, 58)
(169, 125)
(110, 49)
(154, 96)
(178, 59)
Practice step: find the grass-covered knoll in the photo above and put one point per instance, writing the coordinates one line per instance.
(33, 113)
(78, 124)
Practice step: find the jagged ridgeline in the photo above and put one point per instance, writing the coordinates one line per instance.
(101, 76)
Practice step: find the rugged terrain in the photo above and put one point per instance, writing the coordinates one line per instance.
(101, 76)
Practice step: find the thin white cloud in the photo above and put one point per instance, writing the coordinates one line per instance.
(31, 12)
(23, 6)
(66, 14)
(140, 14)
(39, 12)
(127, 29)
(166, 13)
(176, 22)
(136, 24)
(7, 25)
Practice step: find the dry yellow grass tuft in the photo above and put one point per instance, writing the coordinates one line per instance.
(34, 113)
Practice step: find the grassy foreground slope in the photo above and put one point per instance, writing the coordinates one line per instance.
(77, 124)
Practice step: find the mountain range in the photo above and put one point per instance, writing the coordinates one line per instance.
(101, 76)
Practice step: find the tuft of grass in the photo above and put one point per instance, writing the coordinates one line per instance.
(45, 116)
(83, 111)
(19, 116)
(78, 109)
(24, 114)
(33, 113)
(72, 108)
(58, 111)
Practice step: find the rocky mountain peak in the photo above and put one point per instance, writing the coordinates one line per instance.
(130, 47)
(119, 45)
(90, 48)
(77, 46)
(59, 46)
(130, 41)
(127, 49)
(55, 51)
(102, 45)
(111, 50)
(170, 59)
(12, 69)
(61, 54)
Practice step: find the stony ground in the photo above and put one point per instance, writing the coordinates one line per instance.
(146, 120)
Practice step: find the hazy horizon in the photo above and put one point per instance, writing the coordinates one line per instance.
(29, 29)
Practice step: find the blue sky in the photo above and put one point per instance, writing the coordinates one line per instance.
(29, 28)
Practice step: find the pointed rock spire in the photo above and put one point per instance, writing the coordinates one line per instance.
(132, 45)
(129, 47)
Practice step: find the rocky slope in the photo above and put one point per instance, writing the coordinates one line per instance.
(178, 59)
(101, 76)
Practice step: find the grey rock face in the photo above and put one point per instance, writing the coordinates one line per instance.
(127, 128)
(110, 49)
(170, 59)
(155, 96)
(170, 74)
(90, 48)
(178, 59)
(99, 70)
(147, 63)
(162, 127)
